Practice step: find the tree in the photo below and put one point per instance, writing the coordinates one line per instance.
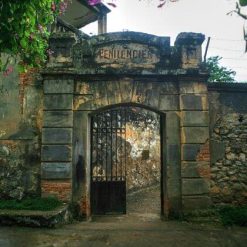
(219, 73)
(24, 30)
(243, 2)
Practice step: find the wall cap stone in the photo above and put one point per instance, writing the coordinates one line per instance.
(231, 87)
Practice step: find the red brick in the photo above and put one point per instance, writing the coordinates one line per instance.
(204, 154)
(59, 188)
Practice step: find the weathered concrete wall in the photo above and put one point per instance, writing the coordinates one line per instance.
(228, 143)
(20, 125)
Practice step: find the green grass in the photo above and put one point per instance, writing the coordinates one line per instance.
(43, 204)
(230, 215)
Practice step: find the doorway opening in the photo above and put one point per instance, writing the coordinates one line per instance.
(126, 164)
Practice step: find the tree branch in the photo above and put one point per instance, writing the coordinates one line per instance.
(238, 11)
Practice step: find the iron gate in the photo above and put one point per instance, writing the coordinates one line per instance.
(108, 161)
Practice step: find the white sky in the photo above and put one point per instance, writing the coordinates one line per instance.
(204, 16)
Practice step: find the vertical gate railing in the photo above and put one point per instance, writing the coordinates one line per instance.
(108, 161)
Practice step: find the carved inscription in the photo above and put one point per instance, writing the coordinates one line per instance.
(128, 54)
(124, 54)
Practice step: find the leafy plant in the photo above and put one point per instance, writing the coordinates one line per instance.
(233, 215)
(43, 204)
(243, 2)
(24, 30)
(219, 73)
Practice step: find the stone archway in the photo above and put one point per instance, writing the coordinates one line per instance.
(125, 161)
(127, 69)
(82, 124)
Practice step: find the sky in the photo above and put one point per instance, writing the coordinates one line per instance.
(202, 16)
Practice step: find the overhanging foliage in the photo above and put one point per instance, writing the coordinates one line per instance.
(24, 29)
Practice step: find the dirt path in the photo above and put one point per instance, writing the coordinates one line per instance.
(144, 201)
(126, 231)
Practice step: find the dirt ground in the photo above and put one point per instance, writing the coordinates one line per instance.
(140, 227)
(125, 231)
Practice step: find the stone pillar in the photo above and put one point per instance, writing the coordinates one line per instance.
(195, 159)
(60, 44)
(56, 153)
(189, 46)
(173, 162)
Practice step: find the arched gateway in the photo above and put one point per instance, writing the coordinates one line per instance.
(86, 94)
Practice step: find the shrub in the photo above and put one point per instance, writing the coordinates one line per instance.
(233, 215)
(43, 204)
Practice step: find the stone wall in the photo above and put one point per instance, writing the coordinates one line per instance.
(20, 125)
(120, 69)
(143, 154)
(228, 130)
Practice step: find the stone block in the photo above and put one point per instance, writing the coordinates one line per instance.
(218, 150)
(192, 87)
(173, 128)
(196, 202)
(58, 86)
(195, 170)
(194, 118)
(168, 88)
(84, 102)
(191, 56)
(56, 153)
(58, 102)
(152, 99)
(58, 119)
(82, 88)
(174, 186)
(195, 186)
(112, 92)
(194, 102)
(169, 102)
(56, 170)
(126, 89)
(194, 134)
(173, 153)
(190, 151)
(146, 94)
(56, 136)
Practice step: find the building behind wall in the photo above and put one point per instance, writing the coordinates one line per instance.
(45, 131)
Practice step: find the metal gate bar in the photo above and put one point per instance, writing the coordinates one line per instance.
(108, 161)
(109, 146)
